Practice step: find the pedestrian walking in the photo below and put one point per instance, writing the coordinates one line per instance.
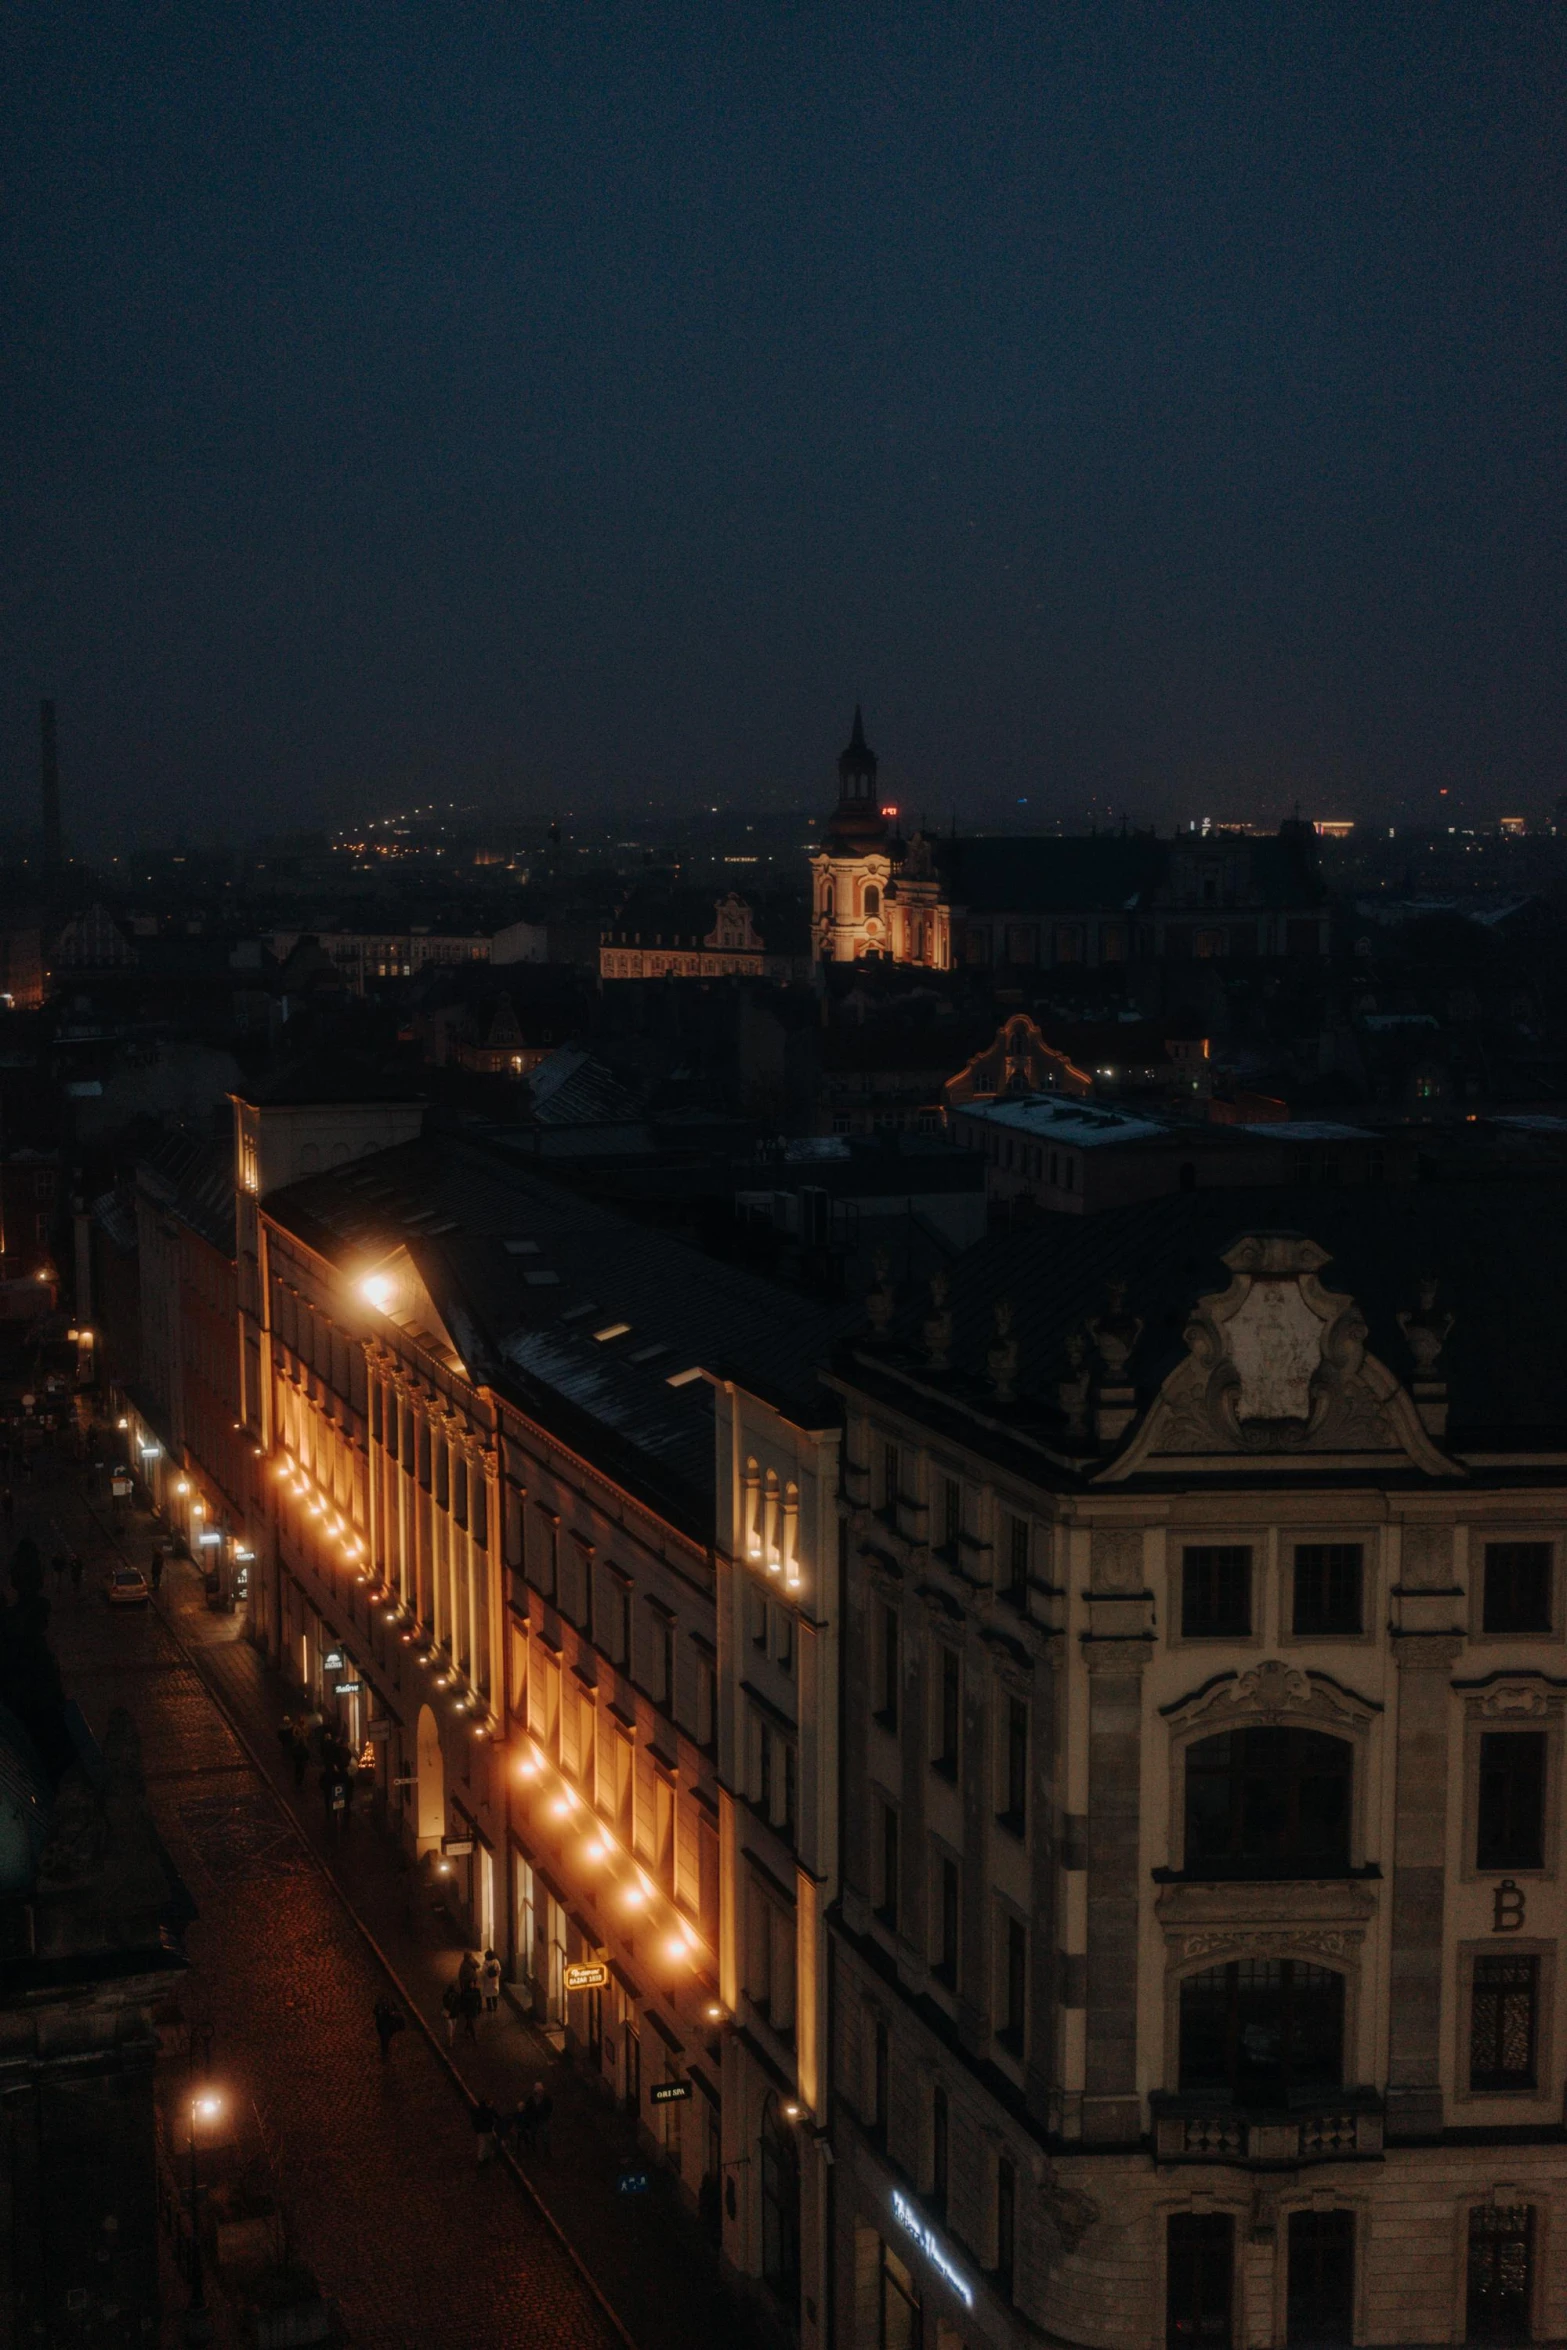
(468, 1971)
(472, 2005)
(157, 1570)
(541, 2107)
(522, 2125)
(389, 2021)
(451, 2009)
(77, 1571)
(58, 1565)
(490, 1982)
(484, 2118)
(298, 1754)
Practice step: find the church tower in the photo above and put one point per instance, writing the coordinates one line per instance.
(851, 870)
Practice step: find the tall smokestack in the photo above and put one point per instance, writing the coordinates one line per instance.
(49, 785)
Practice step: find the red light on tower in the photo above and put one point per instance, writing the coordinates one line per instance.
(892, 810)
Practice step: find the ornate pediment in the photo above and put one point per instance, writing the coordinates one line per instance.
(1277, 1364)
(1269, 1692)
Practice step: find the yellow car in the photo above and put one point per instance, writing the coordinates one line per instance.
(126, 1587)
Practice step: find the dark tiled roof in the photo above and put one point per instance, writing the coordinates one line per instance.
(524, 1316)
(1051, 876)
(1497, 1247)
(326, 1078)
(193, 1175)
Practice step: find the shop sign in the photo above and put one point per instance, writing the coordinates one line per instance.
(332, 1662)
(587, 1977)
(349, 1688)
(632, 2182)
(120, 1487)
(669, 2093)
(456, 1847)
(933, 2248)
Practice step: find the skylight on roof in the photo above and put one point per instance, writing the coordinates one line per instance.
(648, 1354)
(541, 1277)
(579, 1313)
(684, 1378)
(521, 1248)
(611, 1330)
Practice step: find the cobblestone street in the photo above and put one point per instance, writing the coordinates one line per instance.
(376, 2164)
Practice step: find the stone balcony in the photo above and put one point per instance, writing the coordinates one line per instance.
(1344, 2125)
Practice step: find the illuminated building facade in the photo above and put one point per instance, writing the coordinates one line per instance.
(1195, 1977)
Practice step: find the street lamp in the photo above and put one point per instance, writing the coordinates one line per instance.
(203, 2107)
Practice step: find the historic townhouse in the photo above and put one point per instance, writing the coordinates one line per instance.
(487, 1415)
(1195, 1975)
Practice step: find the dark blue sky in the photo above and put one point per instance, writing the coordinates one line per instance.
(1159, 406)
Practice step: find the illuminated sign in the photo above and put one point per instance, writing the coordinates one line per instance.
(456, 1846)
(669, 2092)
(349, 1688)
(586, 1978)
(933, 2248)
(332, 1662)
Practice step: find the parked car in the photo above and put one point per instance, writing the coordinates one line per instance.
(126, 1587)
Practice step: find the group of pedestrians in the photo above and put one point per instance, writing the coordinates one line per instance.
(474, 1991)
(527, 2125)
(66, 1563)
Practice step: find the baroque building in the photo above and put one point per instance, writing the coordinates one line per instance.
(942, 903)
(1195, 1973)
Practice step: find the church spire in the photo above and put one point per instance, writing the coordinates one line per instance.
(858, 817)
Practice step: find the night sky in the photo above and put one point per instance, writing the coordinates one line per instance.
(1155, 409)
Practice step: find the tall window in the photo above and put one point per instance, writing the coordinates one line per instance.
(879, 2072)
(1017, 1561)
(1503, 2027)
(1511, 1800)
(938, 2150)
(1199, 2279)
(949, 1687)
(1320, 2284)
(1014, 1813)
(889, 1865)
(1216, 1591)
(897, 2305)
(1006, 2227)
(1328, 1579)
(1268, 1800)
(944, 1958)
(887, 1666)
(1262, 2029)
(1501, 2273)
(889, 1477)
(1517, 1587)
(780, 2206)
(1014, 1985)
(951, 1512)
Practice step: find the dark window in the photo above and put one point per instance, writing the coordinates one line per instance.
(1199, 2280)
(1321, 2288)
(898, 2322)
(1501, 2272)
(1517, 1587)
(889, 1476)
(1015, 1812)
(1017, 1561)
(1216, 1591)
(1006, 2227)
(1262, 2029)
(791, 1797)
(889, 1865)
(624, 1657)
(1328, 1578)
(1015, 1988)
(949, 1712)
(780, 2206)
(1503, 2027)
(1268, 1800)
(1512, 1800)
(951, 1511)
(938, 2151)
(888, 1708)
(946, 1965)
(879, 2080)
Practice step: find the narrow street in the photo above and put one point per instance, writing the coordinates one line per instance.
(376, 2163)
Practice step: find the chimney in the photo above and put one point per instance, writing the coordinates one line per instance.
(49, 786)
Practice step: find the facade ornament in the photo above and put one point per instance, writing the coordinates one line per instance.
(937, 1331)
(1270, 1691)
(1115, 1334)
(1002, 1359)
(1072, 1392)
(1426, 1328)
(881, 1303)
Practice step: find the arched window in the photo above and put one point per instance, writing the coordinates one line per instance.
(1262, 2029)
(872, 898)
(827, 899)
(1268, 1801)
(780, 2206)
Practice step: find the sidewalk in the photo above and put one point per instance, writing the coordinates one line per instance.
(645, 2253)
